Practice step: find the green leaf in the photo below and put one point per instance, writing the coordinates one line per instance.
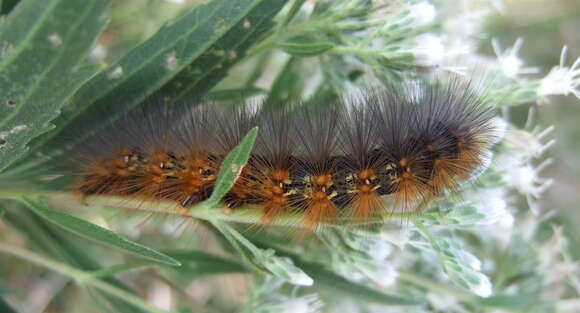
(205, 264)
(280, 91)
(7, 5)
(117, 269)
(182, 62)
(293, 10)
(237, 93)
(41, 52)
(96, 233)
(57, 243)
(5, 307)
(305, 48)
(264, 261)
(229, 171)
(81, 277)
(511, 301)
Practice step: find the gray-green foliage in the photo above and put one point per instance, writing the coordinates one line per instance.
(442, 259)
(42, 64)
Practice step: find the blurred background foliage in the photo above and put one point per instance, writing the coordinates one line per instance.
(544, 25)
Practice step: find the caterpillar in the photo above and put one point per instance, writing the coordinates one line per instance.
(355, 158)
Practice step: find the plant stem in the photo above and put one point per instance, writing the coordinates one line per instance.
(247, 215)
(436, 286)
(81, 277)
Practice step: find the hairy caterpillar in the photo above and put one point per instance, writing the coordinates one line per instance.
(326, 162)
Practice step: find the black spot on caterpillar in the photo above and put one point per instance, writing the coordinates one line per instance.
(325, 163)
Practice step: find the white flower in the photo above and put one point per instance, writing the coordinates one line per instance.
(423, 13)
(498, 221)
(467, 25)
(491, 208)
(494, 209)
(516, 163)
(526, 178)
(528, 145)
(499, 129)
(562, 80)
(305, 304)
(527, 181)
(428, 51)
(510, 64)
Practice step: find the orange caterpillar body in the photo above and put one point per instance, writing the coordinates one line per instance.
(322, 162)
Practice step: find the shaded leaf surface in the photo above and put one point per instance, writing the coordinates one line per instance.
(41, 51)
(97, 233)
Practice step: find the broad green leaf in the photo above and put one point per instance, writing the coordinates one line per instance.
(181, 62)
(305, 49)
(41, 52)
(230, 169)
(96, 233)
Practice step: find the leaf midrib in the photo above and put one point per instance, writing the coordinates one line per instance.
(49, 68)
(24, 43)
(206, 73)
(143, 64)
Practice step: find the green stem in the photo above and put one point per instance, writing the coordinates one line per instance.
(436, 287)
(227, 229)
(357, 51)
(81, 277)
(247, 215)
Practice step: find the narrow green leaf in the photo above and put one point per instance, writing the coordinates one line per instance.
(58, 244)
(182, 62)
(293, 10)
(96, 233)
(238, 93)
(41, 52)
(83, 278)
(5, 307)
(511, 301)
(205, 264)
(263, 260)
(230, 169)
(7, 5)
(280, 91)
(305, 49)
(118, 269)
